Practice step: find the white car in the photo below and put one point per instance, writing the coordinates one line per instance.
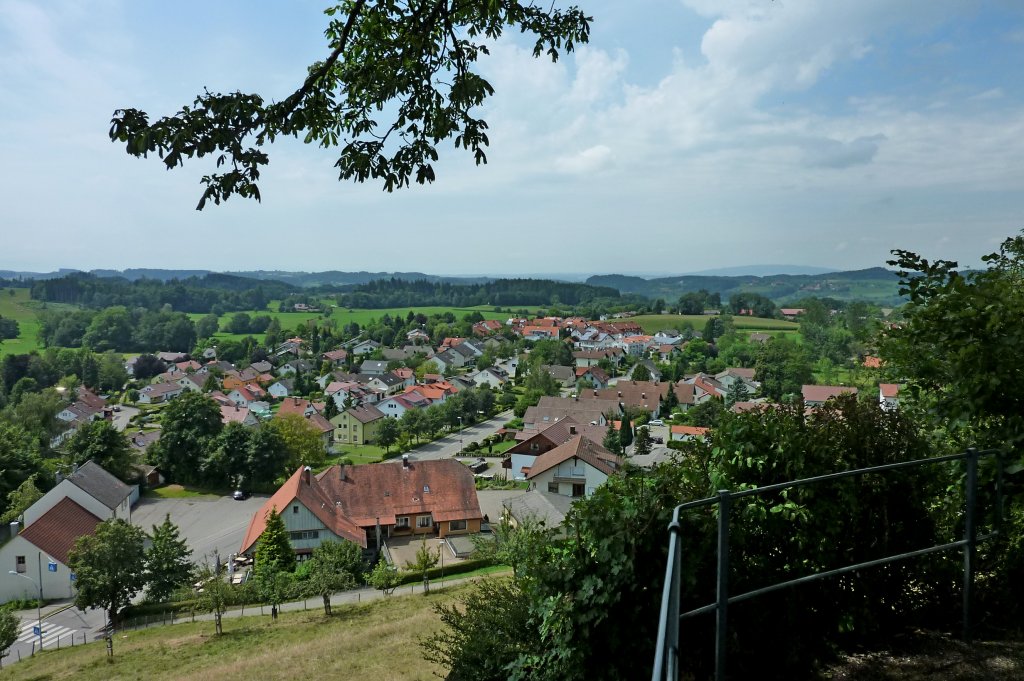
(656, 422)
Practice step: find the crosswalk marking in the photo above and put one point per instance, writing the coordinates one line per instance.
(50, 634)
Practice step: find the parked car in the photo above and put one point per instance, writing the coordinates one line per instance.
(240, 495)
(657, 422)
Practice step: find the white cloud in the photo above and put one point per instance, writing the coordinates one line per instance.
(585, 162)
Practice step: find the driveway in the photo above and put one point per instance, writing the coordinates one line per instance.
(208, 524)
(123, 416)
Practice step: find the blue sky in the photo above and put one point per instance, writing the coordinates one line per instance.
(688, 135)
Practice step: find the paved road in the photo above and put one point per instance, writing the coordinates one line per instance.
(206, 524)
(60, 624)
(450, 445)
(121, 418)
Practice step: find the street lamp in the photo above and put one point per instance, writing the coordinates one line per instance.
(39, 603)
(460, 436)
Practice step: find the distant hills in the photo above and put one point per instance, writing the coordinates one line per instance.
(877, 284)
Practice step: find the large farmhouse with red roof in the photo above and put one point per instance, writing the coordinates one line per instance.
(368, 504)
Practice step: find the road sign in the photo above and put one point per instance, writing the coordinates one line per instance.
(36, 631)
(73, 576)
(52, 566)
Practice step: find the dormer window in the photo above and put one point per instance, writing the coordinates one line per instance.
(426, 489)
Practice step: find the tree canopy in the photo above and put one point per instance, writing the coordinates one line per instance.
(109, 567)
(414, 60)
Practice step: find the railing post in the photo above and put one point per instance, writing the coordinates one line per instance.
(721, 618)
(970, 537)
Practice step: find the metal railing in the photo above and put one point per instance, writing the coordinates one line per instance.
(667, 652)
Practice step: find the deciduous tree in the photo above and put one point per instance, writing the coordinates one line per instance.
(100, 442)
(109, 567)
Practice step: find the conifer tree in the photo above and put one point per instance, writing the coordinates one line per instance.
(274, 546)
(167, 561)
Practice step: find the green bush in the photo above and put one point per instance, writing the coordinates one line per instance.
(448, 570)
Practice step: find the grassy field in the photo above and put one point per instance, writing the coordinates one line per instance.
(653, 323)
(291, 320)
(375, 640)
(15, 307)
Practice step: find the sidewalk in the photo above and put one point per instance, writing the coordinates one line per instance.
(51, 608)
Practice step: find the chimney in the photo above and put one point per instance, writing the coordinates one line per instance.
(619, 393)
(341, 472)
(572, 430)
(14, 529)
(405, 460)
(306, 472)
(643, 396)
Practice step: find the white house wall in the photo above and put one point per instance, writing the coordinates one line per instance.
(56, 585)
(66, 488)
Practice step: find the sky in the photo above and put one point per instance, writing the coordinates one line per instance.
(687, 135)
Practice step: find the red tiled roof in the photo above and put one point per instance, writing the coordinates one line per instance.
(873, 362)
(444, 488)
(696, 431)
(889, 389)
(233, 414)
(294, 405)
(55, 531)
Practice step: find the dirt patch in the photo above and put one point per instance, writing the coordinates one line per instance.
(932, 656)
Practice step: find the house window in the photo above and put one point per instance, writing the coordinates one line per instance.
(304, 535)
(20, 563)
(553, 487)
(456, 525)
(402, 523)
(295, 509)
(423, 521)
(578, 490)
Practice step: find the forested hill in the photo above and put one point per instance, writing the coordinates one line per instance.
(337, 278)
(876, 285)
(224, 292)
(398, 293)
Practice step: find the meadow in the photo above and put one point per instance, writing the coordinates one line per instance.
(652, 323)
(376, 640)
(343, 316)
(22, 310)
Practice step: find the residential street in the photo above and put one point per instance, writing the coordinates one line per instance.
(450, 445)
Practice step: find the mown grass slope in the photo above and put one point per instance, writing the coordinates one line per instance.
(376, 640)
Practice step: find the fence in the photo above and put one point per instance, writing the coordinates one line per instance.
(667, 652)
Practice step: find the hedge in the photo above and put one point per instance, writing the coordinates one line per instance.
(449, 570)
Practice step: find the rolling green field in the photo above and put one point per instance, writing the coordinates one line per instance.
(19, 308)
(653, 323)
(342, 316)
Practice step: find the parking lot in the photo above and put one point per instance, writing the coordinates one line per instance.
(206, 524)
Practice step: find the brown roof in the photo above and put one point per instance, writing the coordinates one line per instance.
(321, 423)
(365, 413)
(444, 488)
(556, 434)
(56, 530)
(580, 448)
(889, 389)
(821, 393)
(642, 394)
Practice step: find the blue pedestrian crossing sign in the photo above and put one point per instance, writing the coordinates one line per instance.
(72, 576)
(36, 631)
(52, 566)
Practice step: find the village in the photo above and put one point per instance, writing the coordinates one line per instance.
(508, 425)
